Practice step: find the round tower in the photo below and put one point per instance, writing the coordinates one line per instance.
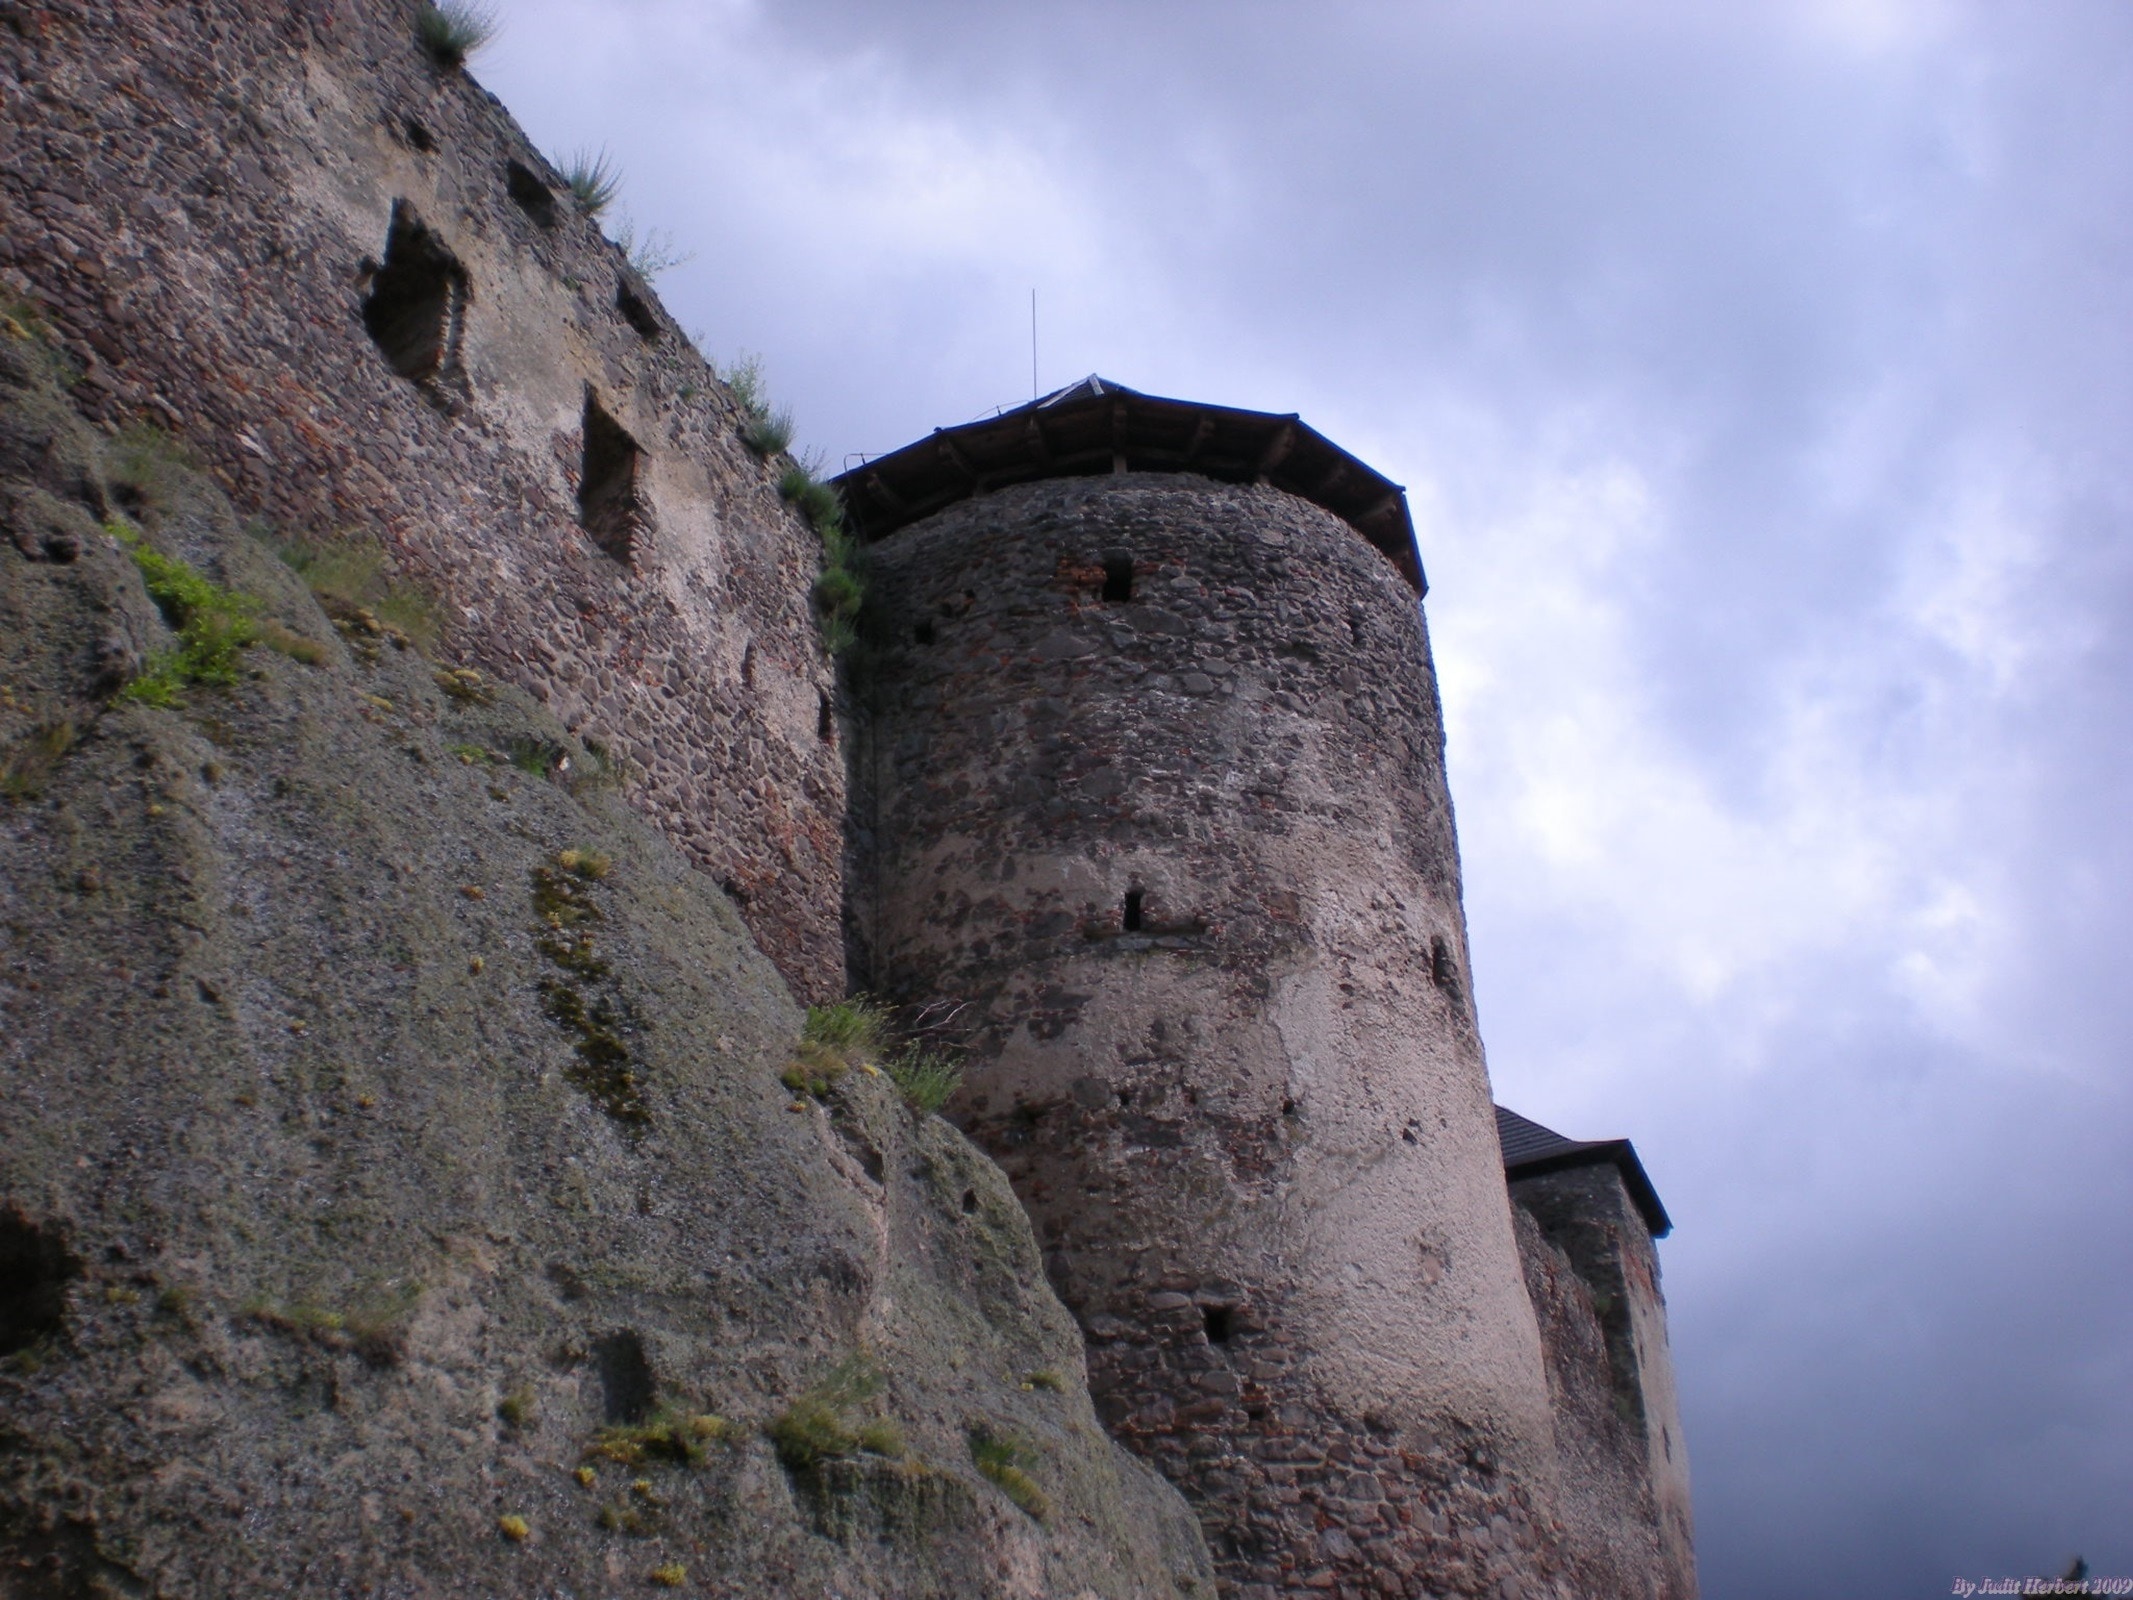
(1154, 757)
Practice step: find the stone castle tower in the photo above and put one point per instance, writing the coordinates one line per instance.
(1156, 766)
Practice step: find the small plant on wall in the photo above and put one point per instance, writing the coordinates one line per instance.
(452, 30)
(593, 179)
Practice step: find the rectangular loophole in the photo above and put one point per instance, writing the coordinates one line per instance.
(1118, 576)
(1132, 913)
(1216, 1320)
(533, 197)
(825, 719)
(637, 312)
(610, 507)
(416, 309)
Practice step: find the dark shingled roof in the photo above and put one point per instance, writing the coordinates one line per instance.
(1097, 426)
(1529, 1150)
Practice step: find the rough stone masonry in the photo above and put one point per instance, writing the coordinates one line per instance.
(1145, 777)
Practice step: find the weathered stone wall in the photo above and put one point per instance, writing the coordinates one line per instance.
(384, 1125)
(200, 196)
(1593, 1273)
(1254, 1129)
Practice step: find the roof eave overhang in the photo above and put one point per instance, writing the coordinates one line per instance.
(1618, 1153)
(1095, 428)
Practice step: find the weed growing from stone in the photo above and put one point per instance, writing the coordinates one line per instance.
(593, 179)
(671, 1575)
(926, 1078)
(465, 685)
(840, 592)
(834, 1039)
(452, 30)
(291, 643)
(679, 1438)
(214, 625)
(517, 1410)
(766, 431)
(854, 1027)
(1005, 1461)
(651, 253)
(814, 1428)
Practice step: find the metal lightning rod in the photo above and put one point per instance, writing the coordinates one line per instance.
(1033, 344)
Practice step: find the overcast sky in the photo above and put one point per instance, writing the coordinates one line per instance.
(1759, 375)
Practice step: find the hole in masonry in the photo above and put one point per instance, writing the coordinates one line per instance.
(922, 634)
(637, 312)
(35, 1269)
(1118, 575)
(825, 719)
(731, 888)
(609, 506)
(970, 1201)
(626, 1384)
(1443, 966)
(416, 311)
(534, 197)
(1216, 1319)
(1125, 1099)
(1288, 1108)
(418, 136)
(748, 666)
(1132, 914)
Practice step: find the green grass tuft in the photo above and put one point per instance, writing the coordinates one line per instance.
(814, 1429)
(681, 1438)
(854, 1027)
(214, 626)
(593, 179)
(766, 431)
(1006, 1461)
(517, 1410)
(926, 1078)
(769, 433)
(452, 30)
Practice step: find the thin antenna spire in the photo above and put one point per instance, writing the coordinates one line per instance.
(1033, 344)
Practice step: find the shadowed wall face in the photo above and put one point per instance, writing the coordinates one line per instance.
(1158, 785)
(1593, 1272)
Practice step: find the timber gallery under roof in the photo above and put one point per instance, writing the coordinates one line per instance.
(1096, 426)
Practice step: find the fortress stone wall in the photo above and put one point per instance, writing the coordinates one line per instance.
(205, 200)
(1144, 785)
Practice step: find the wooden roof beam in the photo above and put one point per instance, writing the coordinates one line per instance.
(1277, 450)
(956, 457)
